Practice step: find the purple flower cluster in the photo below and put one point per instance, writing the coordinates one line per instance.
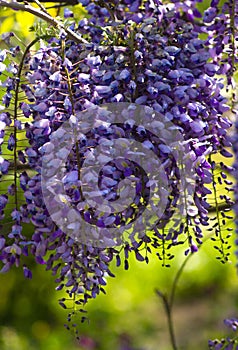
(139, 52)
(226, 343)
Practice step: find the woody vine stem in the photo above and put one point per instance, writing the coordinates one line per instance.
(45, 16)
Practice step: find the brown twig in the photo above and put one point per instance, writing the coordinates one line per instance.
(46, 17)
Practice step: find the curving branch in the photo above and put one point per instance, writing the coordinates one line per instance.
(45, 16)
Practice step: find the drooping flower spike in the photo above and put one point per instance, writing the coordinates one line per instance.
(141, 53)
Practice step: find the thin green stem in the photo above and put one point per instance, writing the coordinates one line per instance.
(219, 233)
(132, 46)
(168, 301)
(176, 279)
(71, 97)
(16, 108)
(168, 311)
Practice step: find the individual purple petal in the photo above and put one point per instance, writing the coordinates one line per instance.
(70, 177)
(21, 157)
(56, 77)
(11, 68)
(4, 165)
(67, 104)
(210, 14)
(16, 215)
(141, 100)
(40, 260)
(84, 78)
(25, 109)
(31, 152)
(172, 50)
(2, 243)
(94, 61)
(5, 268)
(193, 248)
(11, 189)
(11, 142)
(2, 67)
(197, 125)
(41, 107)
(211, 69)
(68, 13)
(13, 249)
(27, 272)
(103, 90)
(18, 124)
(124, 75)
(139, 257)
(3, 55)
(16, 231)
(3, 201)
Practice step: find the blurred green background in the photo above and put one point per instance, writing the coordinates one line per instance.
(130, 313)
(130, 316)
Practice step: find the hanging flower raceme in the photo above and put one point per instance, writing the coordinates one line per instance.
(142, 56)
